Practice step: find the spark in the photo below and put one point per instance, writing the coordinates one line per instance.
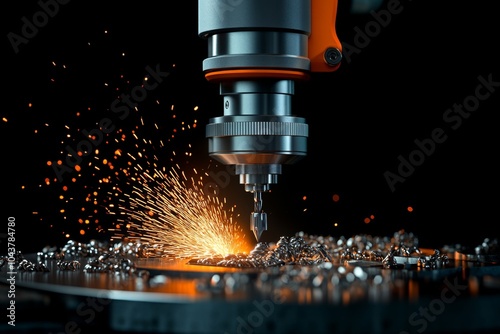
(149, 201)
(128, 185)
(172, 211)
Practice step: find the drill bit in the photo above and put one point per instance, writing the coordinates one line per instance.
(258, 218)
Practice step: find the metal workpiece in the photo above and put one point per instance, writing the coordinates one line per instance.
(357, 284)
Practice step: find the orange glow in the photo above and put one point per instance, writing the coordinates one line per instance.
(80, 154)
(346, 297)
(30, 105)
(410, 209)
(336, 197)
(372, 217)
(304, 198)
(367, 220)
(49, 163)
(198, 227)
(474, 286)
(4, 119)
(413, 290)
(59, 162)
(73, 179)
(77, 167)
(47, 181)
(65, 188)
(82, 232)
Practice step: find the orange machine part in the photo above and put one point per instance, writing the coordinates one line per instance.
(241, 74)
(323, 34)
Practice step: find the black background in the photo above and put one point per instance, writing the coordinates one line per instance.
(388, 93)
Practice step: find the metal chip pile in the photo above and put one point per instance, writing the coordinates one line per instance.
(301, 249)
(304, 249)
(288, 250)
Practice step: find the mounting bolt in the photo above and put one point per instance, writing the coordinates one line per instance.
(333, 56)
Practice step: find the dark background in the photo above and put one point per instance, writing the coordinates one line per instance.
(390, 92)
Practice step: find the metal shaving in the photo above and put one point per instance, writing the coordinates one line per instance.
(435, 261)
(101, 258)
(25, 265)
(487, 252)
(288, 250)
(301, 250)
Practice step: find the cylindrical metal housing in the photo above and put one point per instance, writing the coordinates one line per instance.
(257, 132)
(255, 33)
(216, 16)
